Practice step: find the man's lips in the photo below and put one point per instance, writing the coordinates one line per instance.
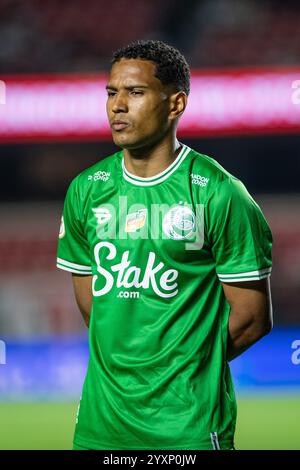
(119, 125)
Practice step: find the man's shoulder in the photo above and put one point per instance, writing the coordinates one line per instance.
(105, 165)
(102, 170)
(206, 171)
(219, 185)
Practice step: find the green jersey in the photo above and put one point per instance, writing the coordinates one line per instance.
(158, 249)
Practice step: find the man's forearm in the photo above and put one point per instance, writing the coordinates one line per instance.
(251, 314)
(83, 294)
(242, 335)
(86, 316)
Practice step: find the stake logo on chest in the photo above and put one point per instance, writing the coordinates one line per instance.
(124, 274)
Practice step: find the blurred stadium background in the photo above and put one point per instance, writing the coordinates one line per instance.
(244, 110)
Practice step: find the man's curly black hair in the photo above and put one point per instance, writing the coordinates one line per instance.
(171, 66)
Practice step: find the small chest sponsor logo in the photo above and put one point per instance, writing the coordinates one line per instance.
(135, 220)
(102, 215)
(99, 175)
(199, 180)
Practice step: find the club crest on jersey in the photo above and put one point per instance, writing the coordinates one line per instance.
(135, 220)
(102, 215)
(179, 223)
(62, 230)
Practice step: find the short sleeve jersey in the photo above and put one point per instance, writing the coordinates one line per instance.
(158, 250)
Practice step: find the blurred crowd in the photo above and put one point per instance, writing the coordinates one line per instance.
(75, 35)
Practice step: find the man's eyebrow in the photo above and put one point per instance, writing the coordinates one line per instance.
(129, 87)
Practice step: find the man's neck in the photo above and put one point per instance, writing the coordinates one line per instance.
(151, 161)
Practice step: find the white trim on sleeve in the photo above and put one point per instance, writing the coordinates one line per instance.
(248, 276)
(73, 267)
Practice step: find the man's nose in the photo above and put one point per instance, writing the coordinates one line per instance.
(120, 103)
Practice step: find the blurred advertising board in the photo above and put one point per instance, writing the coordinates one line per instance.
(53, 368)
(72, 107)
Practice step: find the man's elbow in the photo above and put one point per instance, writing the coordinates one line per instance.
(267, 328)
(86, 317)
(264, 326)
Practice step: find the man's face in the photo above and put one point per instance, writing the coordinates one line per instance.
(137, 104)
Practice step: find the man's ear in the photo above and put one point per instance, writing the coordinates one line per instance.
(178, 102)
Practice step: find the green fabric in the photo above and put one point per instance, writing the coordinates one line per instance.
(78, 447)
(157, 249)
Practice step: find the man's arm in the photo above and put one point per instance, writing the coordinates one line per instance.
(251, 315)
(83, 294)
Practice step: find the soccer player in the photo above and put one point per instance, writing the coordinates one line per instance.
(170, 259)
